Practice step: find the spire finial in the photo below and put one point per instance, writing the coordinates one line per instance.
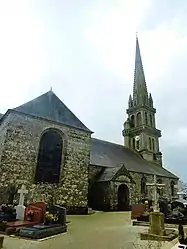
(51, 89)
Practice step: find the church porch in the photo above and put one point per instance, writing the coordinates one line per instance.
(113, 190)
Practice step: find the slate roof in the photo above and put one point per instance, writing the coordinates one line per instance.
(111, 172)
(50, 107)
(108, 154)
(108, 174)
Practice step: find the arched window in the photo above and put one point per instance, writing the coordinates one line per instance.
(150, 145)
(143, 186)
(49, 157)
(132, 121)
(146, 119)
(172, 185)
(153, 144)
(139, 118)
(133, 144)
(151, 120)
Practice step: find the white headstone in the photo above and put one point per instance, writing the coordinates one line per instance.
(20, 208)
(155, 185)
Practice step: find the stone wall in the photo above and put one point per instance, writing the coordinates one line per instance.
(3, 129)
(94, 171)
(135, 194)
(19, 158)
(99, 196)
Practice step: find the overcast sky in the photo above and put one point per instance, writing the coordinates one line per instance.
(85, 51)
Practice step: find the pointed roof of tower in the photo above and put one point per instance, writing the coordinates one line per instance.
(50, 107)
(139, 87)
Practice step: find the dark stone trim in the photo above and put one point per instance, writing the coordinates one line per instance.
(77, 210)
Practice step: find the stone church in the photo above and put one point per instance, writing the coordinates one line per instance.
(44, 145)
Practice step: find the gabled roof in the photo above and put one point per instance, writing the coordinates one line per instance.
(111, 173)
(50, 107)
(112, 155)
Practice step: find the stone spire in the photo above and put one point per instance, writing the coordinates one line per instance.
(140, 94)
(140, 132)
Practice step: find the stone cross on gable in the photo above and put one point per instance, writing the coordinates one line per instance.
(22, 193)
(155, 185)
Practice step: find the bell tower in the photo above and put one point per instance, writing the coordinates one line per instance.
(140, 132)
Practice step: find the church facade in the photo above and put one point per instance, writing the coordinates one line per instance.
(44, 145)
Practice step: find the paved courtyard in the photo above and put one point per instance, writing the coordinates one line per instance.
(97, 231)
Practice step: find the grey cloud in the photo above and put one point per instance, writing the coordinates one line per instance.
(96, 95)
(164, 12)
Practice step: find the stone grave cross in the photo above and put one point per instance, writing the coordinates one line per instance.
(155, 185)
(22, 193)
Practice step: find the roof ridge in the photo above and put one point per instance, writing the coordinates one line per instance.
(121, 145)
(48, 105)
(105, 141)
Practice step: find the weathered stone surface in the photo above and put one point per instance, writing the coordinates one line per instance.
(156, 220)
(94, 171)
(20, 139)
(109, 191)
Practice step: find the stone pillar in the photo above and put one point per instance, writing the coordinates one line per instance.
(156, 223)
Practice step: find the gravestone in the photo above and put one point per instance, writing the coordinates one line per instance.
(157, 230)
(60, 212)
(39, 209)
(20, 208)
(48, 228)
(137, 210)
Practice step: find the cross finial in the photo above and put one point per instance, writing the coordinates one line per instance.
(136, 34)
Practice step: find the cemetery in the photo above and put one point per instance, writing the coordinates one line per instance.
(162, 217)
(35, 221)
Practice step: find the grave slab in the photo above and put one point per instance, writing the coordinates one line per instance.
(42, 231)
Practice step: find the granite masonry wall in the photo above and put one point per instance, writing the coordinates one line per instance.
(135, 194)
(19, 158)
(94, 171)
(3, 128)
(108, 193)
